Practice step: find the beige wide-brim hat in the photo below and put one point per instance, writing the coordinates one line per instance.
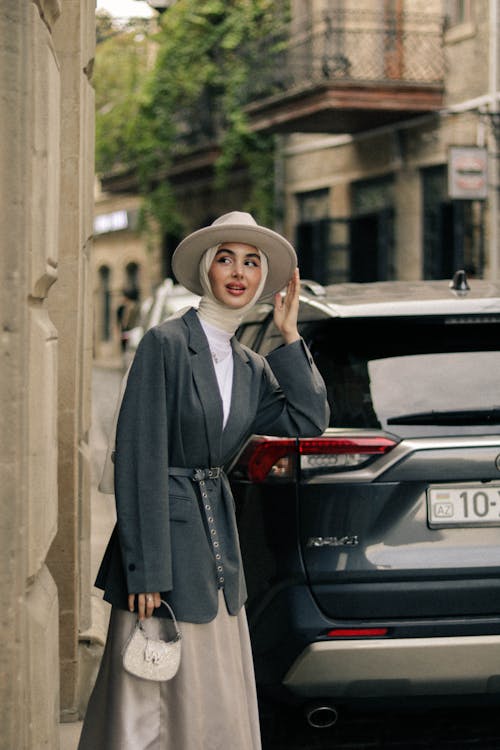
(235, 226)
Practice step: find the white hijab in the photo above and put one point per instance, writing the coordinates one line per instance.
(214, 312)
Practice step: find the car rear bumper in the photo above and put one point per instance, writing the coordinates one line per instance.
(403, 667)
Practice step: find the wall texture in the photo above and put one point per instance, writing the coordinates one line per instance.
(46, 166)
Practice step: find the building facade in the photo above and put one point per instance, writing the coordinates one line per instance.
(125, 261)
(385, 117)
(410, 190)
(46, 169)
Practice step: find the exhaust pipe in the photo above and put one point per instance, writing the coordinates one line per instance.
(321, 715)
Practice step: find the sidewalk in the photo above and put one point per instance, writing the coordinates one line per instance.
(69, 734)
(105, 388)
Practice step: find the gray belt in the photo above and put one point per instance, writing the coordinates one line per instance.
(199, 476)
(196, 475)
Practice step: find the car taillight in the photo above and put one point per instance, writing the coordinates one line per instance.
(341, 453)
(268, 458)
(357, 632)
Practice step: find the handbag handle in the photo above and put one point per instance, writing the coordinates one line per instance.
(171, 611)
(178, 634)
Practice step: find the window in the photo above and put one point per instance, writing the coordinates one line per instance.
(132, 276)
(105, 302)
(453, 230)
(312, 234)
(409, 376)
(372, 230)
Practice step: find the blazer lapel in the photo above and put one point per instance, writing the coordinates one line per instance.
(238, 414)
(206, 385)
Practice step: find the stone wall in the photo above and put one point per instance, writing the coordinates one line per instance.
(46, 165)
(70, 305)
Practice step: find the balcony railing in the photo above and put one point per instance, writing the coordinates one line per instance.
(346, 48)
(353, 47)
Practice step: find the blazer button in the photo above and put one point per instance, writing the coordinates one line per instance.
(131, 567)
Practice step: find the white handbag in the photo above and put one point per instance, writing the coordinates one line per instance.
(152, 659)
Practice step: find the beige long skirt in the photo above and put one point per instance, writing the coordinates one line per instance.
(210, 704)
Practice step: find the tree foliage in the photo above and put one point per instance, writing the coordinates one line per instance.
(207, 55)
(104, 26)
(123, 59)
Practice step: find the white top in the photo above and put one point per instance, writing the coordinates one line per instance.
(222, 355)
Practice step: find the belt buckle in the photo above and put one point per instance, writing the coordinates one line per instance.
(199, 475)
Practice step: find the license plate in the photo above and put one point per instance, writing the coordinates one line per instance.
(472, 505)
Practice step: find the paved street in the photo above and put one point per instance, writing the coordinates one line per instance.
(105, 388)
(442, 729)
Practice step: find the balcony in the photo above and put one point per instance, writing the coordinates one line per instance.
(352, 72)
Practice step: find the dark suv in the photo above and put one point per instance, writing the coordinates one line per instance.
(372, 553)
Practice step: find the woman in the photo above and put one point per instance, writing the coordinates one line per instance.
(193, 397)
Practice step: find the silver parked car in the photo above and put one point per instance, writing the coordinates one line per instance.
(168, 299)
(372, 553)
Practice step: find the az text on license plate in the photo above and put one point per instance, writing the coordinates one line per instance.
(464, 506)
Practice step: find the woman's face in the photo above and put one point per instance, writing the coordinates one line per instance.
(235, 274)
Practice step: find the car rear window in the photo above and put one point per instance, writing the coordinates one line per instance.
(411, 376)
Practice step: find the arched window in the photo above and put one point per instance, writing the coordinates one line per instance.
(105, 302)
(132, 277)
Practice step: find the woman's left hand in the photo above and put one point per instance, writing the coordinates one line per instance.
(286, 309)
(146, 603)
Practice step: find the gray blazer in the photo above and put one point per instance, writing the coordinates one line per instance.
(175, 535)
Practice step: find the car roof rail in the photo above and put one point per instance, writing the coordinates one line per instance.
(459, 283)
(307, 285)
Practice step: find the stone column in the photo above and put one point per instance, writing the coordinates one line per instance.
(71, 310)
(29, 175)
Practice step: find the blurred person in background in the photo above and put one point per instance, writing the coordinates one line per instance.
(127, 315)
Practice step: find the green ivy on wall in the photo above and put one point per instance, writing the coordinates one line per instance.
(183, 88)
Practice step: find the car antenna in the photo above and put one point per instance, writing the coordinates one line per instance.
(459, 283)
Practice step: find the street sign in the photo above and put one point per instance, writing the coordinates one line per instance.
(467, 173)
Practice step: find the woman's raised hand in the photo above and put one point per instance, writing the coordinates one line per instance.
(286, 309)
(146, 603)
